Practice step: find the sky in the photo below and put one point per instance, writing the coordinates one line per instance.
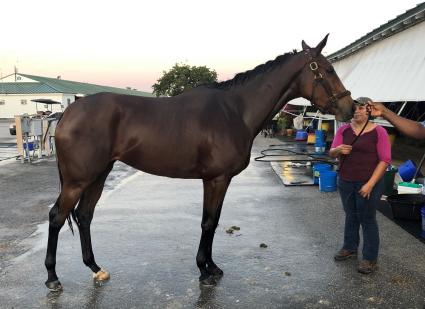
(129, 43)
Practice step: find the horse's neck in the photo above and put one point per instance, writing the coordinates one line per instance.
(269, 93)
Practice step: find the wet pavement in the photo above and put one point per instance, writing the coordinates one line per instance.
(146, 232)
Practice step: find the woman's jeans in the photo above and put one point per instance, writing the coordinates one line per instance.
(360, 211)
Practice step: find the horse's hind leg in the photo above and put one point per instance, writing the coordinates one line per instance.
(84, 214)
(60, 211)
(214, 192)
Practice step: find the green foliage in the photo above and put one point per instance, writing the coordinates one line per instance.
(282, 123)
(183, 77)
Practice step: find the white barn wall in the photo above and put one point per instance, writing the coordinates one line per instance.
(12, 103)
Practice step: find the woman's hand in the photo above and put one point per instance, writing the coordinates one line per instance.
(344, 149)
(365, 190)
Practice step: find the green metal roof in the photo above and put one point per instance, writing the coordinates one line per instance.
(54, 85)
(401, 22)
(25, 88)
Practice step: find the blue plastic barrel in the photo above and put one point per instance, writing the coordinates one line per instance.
(320, 143)
(423, 221)
(327, 181)
(318, 168)
(407, 170)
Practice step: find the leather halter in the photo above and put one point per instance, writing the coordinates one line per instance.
(319, 80)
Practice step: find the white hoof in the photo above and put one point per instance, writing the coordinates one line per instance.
(101, 275)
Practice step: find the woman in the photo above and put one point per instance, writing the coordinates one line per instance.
(360, 183)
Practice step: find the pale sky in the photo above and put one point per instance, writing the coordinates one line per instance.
(130, 43)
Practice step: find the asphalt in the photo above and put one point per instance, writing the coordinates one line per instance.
(147, 228)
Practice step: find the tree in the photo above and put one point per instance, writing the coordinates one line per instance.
(183, 77)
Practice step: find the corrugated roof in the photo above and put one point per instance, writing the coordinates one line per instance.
(408, 19)
(54, 85)
(25, 88)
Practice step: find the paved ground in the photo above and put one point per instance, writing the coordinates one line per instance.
(147, 228)
(7, 142)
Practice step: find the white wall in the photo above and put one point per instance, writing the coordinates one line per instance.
(389, 70)
(19, 78)
(12, 103)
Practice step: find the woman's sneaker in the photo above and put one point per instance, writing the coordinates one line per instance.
(367, 267)
(344, 254)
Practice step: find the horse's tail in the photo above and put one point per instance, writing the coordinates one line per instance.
(59, 117)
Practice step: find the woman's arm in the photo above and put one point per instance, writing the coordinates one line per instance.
(376, 176)
(339, 150)
(406, 126)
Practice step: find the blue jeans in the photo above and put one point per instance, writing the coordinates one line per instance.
(360, 212)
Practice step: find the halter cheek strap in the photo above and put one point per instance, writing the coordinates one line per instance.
(319, 80)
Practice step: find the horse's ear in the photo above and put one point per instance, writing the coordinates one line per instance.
(322, 44)
(304, 45)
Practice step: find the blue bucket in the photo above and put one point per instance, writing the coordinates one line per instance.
(423, 221)
(327, 181)
(301, 135)
(318, 168)
(407, 170)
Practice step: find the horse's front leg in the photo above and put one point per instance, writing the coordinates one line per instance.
(214, 192)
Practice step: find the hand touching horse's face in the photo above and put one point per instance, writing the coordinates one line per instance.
(319, 83)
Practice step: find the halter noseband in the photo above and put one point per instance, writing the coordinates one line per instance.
(319, 80)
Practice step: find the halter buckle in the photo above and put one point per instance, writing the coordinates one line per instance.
(313, 66)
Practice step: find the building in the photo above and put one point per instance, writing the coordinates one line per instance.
(387, 65)
(18, 90)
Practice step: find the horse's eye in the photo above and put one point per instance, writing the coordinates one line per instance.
(330, 70)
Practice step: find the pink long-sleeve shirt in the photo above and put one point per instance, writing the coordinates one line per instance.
(370, 148)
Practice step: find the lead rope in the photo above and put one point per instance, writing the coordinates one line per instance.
(355, 140)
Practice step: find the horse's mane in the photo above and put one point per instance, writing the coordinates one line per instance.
(241, 78)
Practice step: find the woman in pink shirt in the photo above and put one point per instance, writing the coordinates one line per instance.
(360, 183)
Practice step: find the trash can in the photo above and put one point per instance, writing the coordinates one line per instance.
(389, 180)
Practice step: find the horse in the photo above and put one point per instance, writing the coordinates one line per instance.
(206, 133)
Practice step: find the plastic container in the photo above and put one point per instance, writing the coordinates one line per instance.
(301, 135)
(318, 168)
(30, 146)
(325, 126)
(327, 181)
(389, 180)
(423, 221)
(409, 188)
(407, 170)
(320, 143)
(406, 206)
(311, 139)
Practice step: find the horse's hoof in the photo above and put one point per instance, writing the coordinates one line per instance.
(54, 286)
(101, 275)
(207, 281)
(216, 272)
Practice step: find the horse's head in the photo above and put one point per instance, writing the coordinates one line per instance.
(319, 83)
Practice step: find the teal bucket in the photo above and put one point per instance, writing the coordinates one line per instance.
(327, 181)
(318, 168)
(407, 170)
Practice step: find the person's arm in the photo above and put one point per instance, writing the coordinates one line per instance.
(339, 150)
(383, 148)
(337, 147)
(406, 126)
(376, 176)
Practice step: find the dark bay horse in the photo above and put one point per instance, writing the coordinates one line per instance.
(205, 133)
